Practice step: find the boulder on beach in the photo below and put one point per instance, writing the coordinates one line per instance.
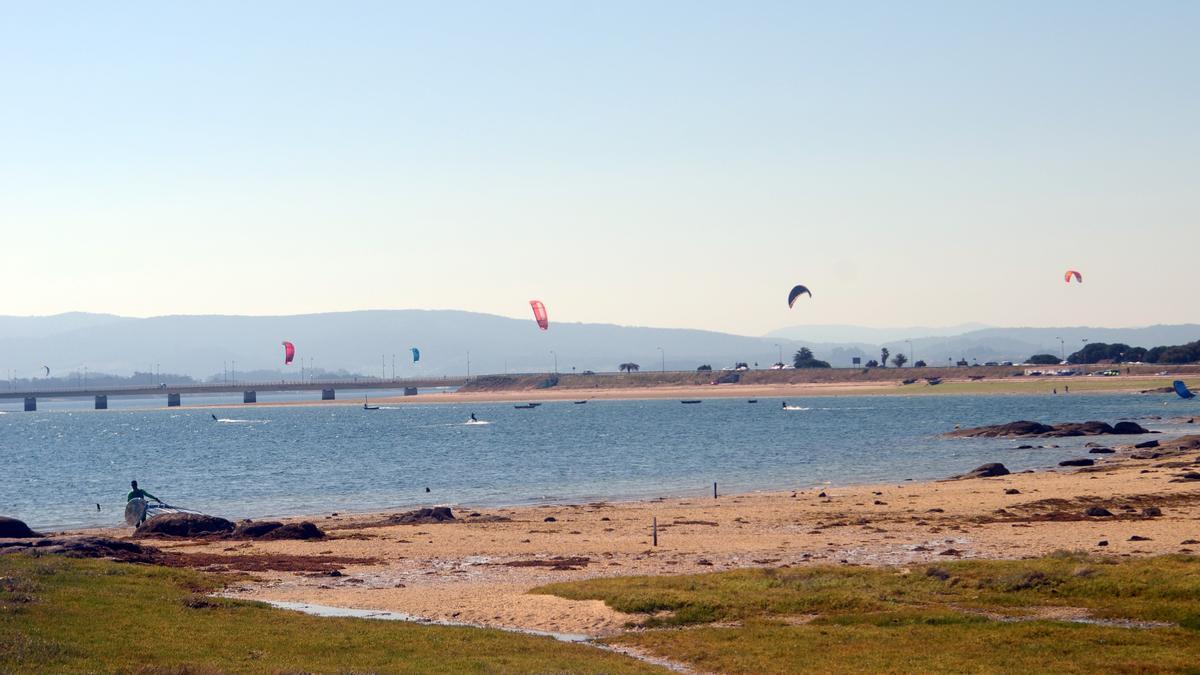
(1077, 462)
(250, 529)
(11, 528)
(437, 514)
(1146, 444)
(1129, 429)
(183, 525)
(1101, 451)
(988, 471)
(302, 530)
(1098, 512)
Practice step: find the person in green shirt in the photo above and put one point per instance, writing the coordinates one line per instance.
(139, 493)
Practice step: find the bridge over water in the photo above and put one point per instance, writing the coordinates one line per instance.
(173, 393)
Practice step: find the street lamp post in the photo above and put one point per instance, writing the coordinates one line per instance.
(555, 354)
(780, 348)
(663, 355)
(1062, 347)
(468, 364)
(912, 357)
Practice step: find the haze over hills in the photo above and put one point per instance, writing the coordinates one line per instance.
(202, 346)
(839, 333)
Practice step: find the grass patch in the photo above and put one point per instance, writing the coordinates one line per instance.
(64, 615)
(1164, 588)
(921, 618)
(916, 645)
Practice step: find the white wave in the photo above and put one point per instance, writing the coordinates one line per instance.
(228, 420)
(476, 423)
(795, 407)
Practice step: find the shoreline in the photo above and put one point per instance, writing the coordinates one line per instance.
(1006, 386)
(480, 567)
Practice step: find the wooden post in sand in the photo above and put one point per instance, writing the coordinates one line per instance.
(654, 530)
(714, 489)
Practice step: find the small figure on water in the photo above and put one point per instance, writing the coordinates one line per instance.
(473, 418)
(214, 418)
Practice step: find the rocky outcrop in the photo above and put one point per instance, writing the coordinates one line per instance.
(1028, 429)
(11, 528)
(87, 547)
(437, 514)
(274, 530)
(184, 525)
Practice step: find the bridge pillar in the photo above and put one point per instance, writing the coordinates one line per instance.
(101, 401)
(326, 394)
(30, 404)
(249, 397)
(172, 400)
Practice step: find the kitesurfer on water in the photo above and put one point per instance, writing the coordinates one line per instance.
(473, 418)
(139, 493)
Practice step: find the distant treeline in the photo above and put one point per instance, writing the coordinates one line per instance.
(80, 378)
(289, 376)
(1122, 353)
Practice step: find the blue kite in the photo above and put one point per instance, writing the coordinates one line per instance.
(1182, 390)
(416, 353)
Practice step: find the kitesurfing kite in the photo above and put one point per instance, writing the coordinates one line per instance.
(1072, 273)
(539, 314)
(797, 292)
(289, 353)
(416, 354)
(1182, 390)
(47, 370)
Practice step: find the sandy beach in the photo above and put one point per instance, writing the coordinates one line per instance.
(479, 568)
(575, 391)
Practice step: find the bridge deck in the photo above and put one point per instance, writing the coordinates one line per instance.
(210, 388)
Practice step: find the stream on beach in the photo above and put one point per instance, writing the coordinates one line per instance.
(61, 463)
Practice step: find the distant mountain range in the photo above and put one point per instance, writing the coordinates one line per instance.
(202, 346)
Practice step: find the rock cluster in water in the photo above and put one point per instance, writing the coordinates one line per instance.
(1028, 429)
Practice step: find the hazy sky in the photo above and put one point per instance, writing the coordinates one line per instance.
(652, 163)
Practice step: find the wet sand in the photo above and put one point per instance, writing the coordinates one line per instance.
(479, 570)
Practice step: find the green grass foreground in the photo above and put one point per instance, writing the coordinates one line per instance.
(924, 618)
(63, 615)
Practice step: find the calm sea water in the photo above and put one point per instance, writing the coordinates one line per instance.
(57, 464)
